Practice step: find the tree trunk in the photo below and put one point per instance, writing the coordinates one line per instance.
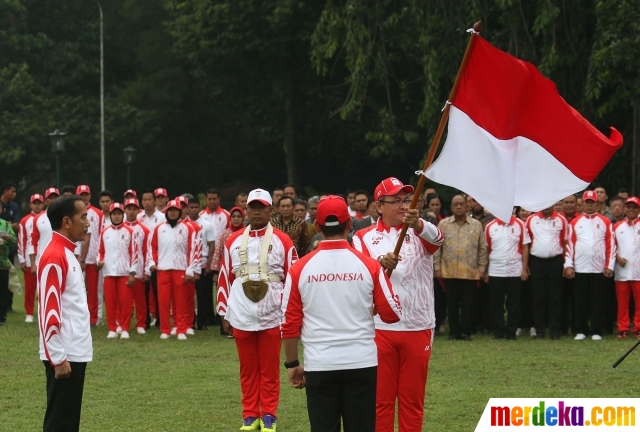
(289, 133)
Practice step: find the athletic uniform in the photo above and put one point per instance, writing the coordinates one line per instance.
(30, 281)
(627, 239)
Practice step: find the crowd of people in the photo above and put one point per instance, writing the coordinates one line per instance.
(573, 268)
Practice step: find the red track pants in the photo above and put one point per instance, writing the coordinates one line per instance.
(140, 302)
(91, 281)
(624, 290)
(30, 282)
(118, 300)
(259, 353)
(171, 286)
(403, 363)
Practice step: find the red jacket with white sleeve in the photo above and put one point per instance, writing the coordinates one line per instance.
(25, 229)
(328, 301)
(174, 248)
(627, 238)
(40, 236)
(504, 247)
(142, 239)
(591, 248)
(117, 249)
(233, 304)
(413, 277)
(63, 314)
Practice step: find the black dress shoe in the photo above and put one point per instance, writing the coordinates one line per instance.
(465, 337)
(201, 327)
(453, 337)
(498, 336)
(511, 336)
(555, 336)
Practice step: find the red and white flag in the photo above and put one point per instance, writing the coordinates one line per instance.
(513, 140)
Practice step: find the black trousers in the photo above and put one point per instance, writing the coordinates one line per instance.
(348, 394)
(440, 303)
(526, 305)
(501, 287)
(590, 296)
(460, 305)
(482, 308)
(204, 294)
(610, 308)
(12, 256)
(152, 285)
(546, 292)
(5, 299)
(568, 306)
(64, 399)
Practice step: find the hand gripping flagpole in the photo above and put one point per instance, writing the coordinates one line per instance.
(477, 27)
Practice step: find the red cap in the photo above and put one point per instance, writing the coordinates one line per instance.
(132, 201)
(38, 197)
(182, 201)
(51, 191)
(590, 195)
(390, 186)
(83, 189)
(160, 192)
(116, 206)
(332, 205)
(174, 204)
(633, 200)
(130, 191)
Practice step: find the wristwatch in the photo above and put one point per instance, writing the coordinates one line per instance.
(132, 273)
(290, 365)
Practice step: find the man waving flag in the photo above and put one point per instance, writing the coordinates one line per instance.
(513, 140)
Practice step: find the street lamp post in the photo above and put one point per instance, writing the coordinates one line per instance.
(57, 147)
(129, 156)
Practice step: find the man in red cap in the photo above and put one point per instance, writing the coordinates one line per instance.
(24, 235)
(42, 231)
(173, 255)
(142, 239)
(89, 252)
(404, 348)
(627, 270)
(254, 264)
(162, 197)
(590, 257)
(329, 301)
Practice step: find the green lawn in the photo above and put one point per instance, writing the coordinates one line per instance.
(147, 384)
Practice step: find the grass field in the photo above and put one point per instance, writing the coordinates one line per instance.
(145, 384)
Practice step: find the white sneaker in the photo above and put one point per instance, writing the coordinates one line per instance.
(152, 323)
(28, 318)
(174, 331)
(182, 336)
(140, 330)
(112, 335)
(518, 332)
(532, 332)
(580, 336)
(119, 330)
(124, 335)
(164, 336)
(596, 337)
(190, 331)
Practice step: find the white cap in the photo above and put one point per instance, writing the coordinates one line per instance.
(259, 195)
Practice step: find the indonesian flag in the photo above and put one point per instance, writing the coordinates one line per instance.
(512, 140)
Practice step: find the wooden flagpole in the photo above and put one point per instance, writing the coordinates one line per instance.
(477, 27)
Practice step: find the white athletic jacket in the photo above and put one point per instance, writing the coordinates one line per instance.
(117, 249)
(591, 248)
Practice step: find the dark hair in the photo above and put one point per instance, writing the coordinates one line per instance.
(68, 189)
(242, 194)
(277, 188)
(64, 206)
(362, 192)
(193, 200)
(285, 198)
(187, 195)
(616, 198)
(431, 196)
(291, 185)
(301, 202)
(330, 231)
(148, 191)
(8, 185)
(213, 191)
(106, 193)
(622, 191)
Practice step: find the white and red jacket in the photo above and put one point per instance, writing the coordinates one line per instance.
(118, 251)
(413, 277)
(197, 228)
(548, 235)
(142, 239)
(95, 218)
(208, 235)
(591, 248)
(328, 301)
(627, 238)
(504, 247)
(63, 314)
(40, 236)
(152, 221)
(219, 219)
(233, 304)
(25, 229)
(174, 248)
